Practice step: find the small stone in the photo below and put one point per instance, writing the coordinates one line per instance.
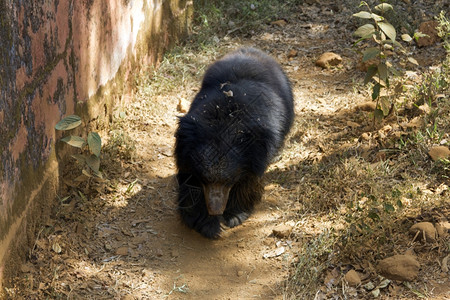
(292, 53)
(328, 59)
(352, 278)
(122, 251)
(439, 152)
(399, 267)
(282, 231)
(280, 23)
(428, 28)
(183, 105)
(240, 273)
(423, 229)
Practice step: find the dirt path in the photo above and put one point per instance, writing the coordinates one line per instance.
(125, 241)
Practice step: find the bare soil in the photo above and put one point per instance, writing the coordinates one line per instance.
(121, 238)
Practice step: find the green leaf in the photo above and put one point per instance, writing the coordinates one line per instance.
(370, 53)
(383, 7)
(388, 29)
(371, 71)
(383, 71)
(93, 162)
(378, 114)
(363, 15)
(365, 31)
(81, 159)
(419, 34)
(406, 37)
(376, 91)
(68, 123)
(95, 143)
(385, 105)
(388, 207)
(399, 203)
(74, 141)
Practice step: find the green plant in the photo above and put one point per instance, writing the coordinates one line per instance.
(383, 35)
(444, 30)
(90, 148)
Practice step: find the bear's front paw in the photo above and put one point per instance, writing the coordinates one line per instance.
(232, 220)
(209, 227)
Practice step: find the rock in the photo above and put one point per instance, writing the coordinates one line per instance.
(442, 229)
(292, 53)
(122, 251)
(367, 106)
(425, 229)
(240, 273)
(439, 152)
(399, 267)
(328, 59)
(280, 23)
(428, 28)
(352, 278)
(183, 105)
(282, 231)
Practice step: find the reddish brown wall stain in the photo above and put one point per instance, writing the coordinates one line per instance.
(57, 58)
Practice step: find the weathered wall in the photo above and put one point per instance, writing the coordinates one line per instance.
(57, 58)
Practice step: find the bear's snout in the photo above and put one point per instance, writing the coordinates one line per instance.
(216, 196)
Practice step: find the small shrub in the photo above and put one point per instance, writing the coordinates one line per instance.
(90, 148)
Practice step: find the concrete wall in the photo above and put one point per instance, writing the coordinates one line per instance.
(59, 57)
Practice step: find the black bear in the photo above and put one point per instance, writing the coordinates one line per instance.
(233, 129)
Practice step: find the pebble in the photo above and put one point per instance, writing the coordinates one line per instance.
(282, 231)
(328, 59)
(439, 152)
(183, 105)
(352, 278)
(423, 228)
(122, 251)
(399, 267)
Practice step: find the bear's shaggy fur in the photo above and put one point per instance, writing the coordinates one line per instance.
(235, 126)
